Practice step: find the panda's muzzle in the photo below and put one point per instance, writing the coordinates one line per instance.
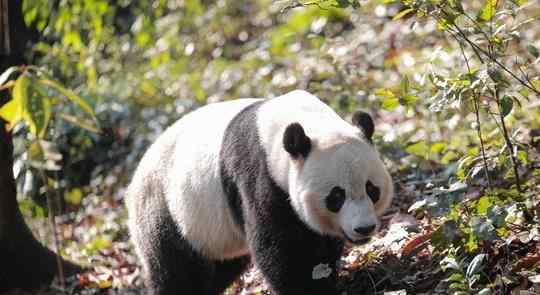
(365, 230)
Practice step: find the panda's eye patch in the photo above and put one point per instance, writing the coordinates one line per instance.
(373, 192)
(335, 200)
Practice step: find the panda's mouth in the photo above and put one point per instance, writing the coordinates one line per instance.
(360, 241)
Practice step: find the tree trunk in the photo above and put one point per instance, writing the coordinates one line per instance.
(24, 262)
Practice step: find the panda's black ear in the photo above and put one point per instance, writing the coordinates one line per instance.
(295, 141)
(363, 121)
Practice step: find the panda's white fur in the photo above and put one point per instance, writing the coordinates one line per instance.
(180, 176)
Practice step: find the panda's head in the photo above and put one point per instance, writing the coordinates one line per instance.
(337, 183)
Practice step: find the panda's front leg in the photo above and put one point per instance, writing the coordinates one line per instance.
(286, 252)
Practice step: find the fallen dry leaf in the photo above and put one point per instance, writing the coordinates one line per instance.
(413, 243)
(526, 262)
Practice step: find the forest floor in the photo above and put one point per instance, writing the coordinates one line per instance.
(378, 267)
(400, 260)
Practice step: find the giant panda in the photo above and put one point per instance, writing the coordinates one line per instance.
(280, 182)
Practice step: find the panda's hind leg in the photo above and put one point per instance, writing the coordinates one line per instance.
(170, 264)
(184, 271)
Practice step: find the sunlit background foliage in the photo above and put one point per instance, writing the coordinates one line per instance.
(453, 86)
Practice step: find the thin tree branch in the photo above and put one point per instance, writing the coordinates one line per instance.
(476, 99)
(488, 54)
(494, 60)
(508, 141)
(297, 4)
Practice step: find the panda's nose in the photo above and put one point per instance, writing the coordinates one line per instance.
(365, 230)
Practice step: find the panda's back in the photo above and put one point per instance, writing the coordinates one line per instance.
(182, 168)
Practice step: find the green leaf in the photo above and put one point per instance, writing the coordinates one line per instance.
(390, 100)
(455, 277)
(483, 204)
(419, 149)
(489, 10)
(497, 216)
(43, 116)
(39, 110)
(14, 110)
(457, 286)
(438, 147)
(390, 104)
(507, 103)
(99, 243)
(72, 38)
(523, 157)
(449, 157)
(533, 50)
(34, 108)
(30, 15)
(74, 196)
(20, 90)
(384, 93)
(69, 94)
(476, 264)
(143, 38)
(483, 229)
(10, 112)
(497, 76)
(471, 243)
(342, 3)
(403, 13)
(408, 100)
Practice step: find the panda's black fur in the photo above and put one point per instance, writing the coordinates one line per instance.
(285, 249)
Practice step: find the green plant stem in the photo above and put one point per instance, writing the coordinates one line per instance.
(50, 207)
(480, 137)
